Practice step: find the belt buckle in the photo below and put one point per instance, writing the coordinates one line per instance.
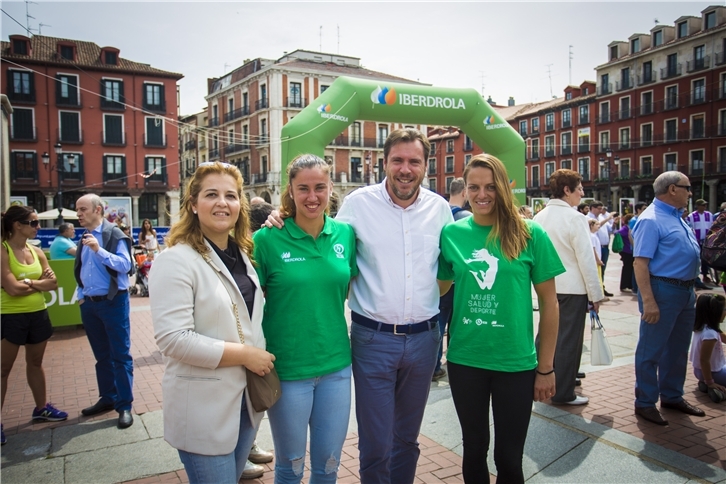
(395, 329)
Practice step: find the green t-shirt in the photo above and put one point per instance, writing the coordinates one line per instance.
(492, 326)
(306, 284)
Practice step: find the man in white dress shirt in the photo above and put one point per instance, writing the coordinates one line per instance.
(394, 303)
(598, 212)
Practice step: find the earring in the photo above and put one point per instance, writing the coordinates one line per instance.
(195, 212)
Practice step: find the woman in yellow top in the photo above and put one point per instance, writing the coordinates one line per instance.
(23, 316)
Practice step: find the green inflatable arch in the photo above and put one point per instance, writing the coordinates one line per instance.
(349, 99)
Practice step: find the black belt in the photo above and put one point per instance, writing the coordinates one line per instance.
(674, 281)
(102, 298)
(398, 329)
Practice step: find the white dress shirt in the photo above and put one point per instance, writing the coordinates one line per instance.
(397, 254)
(605, 230)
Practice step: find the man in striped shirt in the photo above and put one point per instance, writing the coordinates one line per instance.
(700, 221)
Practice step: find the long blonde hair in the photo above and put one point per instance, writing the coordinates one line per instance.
(188, 230)
(300, 162)
(509, 227)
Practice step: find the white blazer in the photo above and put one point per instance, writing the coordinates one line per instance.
(193, 318)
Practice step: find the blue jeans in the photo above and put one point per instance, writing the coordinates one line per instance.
(323, 404)
(661, 355)
(392, 376)
(446, 309)
(108, 330)
(222, 469)
(717, 376)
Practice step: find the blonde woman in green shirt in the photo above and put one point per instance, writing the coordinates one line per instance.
(305, 269)
(24, 319)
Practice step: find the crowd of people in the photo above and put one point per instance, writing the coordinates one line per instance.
(244, 291)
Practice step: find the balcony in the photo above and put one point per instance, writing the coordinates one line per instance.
(108, 104)
(624, 144)
(647, 78)
(671, 103)
(24, 133)
(535, 130)
(625, 114)
(719, 58)
(154, 141)
(344, 140)
(698, 133)
(263, 139)
(73, 100)
(261, 104)
(109, 138)
(296, 102)
(534, 157)
(213, 122)
(70, 138)
(670, 72)
(549, 127)
(646, 141)
(566, 150)
(605, 89)
(697, 97)
(698, 64)
(115, 179)
(258, 178)
(567, 123)
(235, 148)
(22, 98)
(213, 153)
(604, 118)
(624, 84)
(603, 147)
(583, 148)
(549, 152)
(236, 114)
(584, 120)
(190, 145)
(646, 109)
(154, 108)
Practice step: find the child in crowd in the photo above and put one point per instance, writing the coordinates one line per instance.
(707, 356)
(596, 247)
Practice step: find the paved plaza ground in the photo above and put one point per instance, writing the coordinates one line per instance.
(599, 442)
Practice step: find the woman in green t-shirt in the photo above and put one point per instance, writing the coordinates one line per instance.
(494, 256)
(305, 269)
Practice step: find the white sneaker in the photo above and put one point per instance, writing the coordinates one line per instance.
(252, 471)
(579, 400)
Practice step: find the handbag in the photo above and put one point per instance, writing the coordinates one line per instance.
(264, 391)
(600, 353)
(617, 243)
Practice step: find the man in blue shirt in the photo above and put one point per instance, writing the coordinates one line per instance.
(62, 246)
(667, 260)
(103, 295)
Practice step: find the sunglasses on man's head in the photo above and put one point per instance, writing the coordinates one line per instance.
(33, 223)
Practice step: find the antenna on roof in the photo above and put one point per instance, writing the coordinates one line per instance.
(655, 20)
(571, 57)
(549, 74)
(28, 16)
(338, 38)
(482, 82)
(40, 26)
(226, 66)
(320, 35)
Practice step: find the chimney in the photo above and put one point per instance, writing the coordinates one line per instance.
(490, 101)
(511, 101)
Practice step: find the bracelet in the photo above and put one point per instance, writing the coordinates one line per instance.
(709, 382)
(546, 373)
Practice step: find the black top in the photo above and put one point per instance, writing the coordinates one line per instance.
(233, 260)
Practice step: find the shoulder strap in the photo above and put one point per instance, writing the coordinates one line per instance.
(216, 270)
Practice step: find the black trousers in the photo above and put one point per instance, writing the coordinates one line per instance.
(626, 273)
(511, 396)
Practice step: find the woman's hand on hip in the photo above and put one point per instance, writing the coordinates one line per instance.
(258, 360)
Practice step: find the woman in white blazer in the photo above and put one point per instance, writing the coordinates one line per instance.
(208, 416)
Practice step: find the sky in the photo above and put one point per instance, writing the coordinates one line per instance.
(500, 49)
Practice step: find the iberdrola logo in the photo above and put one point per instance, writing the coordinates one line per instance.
(512, 183)
(384, 96)
(324, 108)
(489, 120)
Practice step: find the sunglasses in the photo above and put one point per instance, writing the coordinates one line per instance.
(687, 187)
(212, 163)
(33, 223)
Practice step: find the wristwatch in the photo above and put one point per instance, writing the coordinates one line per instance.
(27, 281)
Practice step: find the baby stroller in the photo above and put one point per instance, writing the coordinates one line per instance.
(140, 284)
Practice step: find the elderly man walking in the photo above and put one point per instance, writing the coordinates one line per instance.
(666, 268)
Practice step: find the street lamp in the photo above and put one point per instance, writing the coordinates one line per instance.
(60, 168)
(605, 162)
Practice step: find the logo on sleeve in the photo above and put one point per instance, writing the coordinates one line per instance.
(339, 251)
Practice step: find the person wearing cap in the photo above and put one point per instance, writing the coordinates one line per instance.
(700, 221)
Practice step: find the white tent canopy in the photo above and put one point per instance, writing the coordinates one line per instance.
(52, 214)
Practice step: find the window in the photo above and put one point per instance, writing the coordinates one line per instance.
(114, 168)
(549, 146)
(449, 145)
(568, 95)
(156, 169)
(20, 47)
(246, 135)
(722, 123)
(433, 148)
(647, 72)
(70, 127)
(624, 107)
(672, 66)
(605, 112)
(682, 29)
(671, 162)
(449, 164)
(646, 134)
(67, 52)
(383, 136)
(549, 121)
(624, 138)
(295, 95)
(432, 184)
(583, 140)
(112, 94)
(154, 136)
(657, 38)
(467, 159)
(624, 169)
(113, 130)
(263, 164)
(355, 134)
(710, 20)
(535, 125)
(356, 169)
(566, 164)
(468, 143)
(230, 105)
(698, 93)
(449, 179)
(625, 78)
(110, 57)
(566, 148)
(604, 141)
(154, 97)
(535, 149)
(263, 131)
(432, 166)
(23, 128)
(635, 46)
(646, 165)
(583, 167)
(646, 102)
(262, 102)
(245, 103)
(671, 98)
(671, 129)
(535, 176)
(72, 167)
(523, 128)
(549, 170)
(323, 88)
(66, 90)
(584, 115)
(699, 57)
(605, 84)
(698, 129)
(566, 118)
(613, 52)
(21, 86)
(697, 162)
(23, 165)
